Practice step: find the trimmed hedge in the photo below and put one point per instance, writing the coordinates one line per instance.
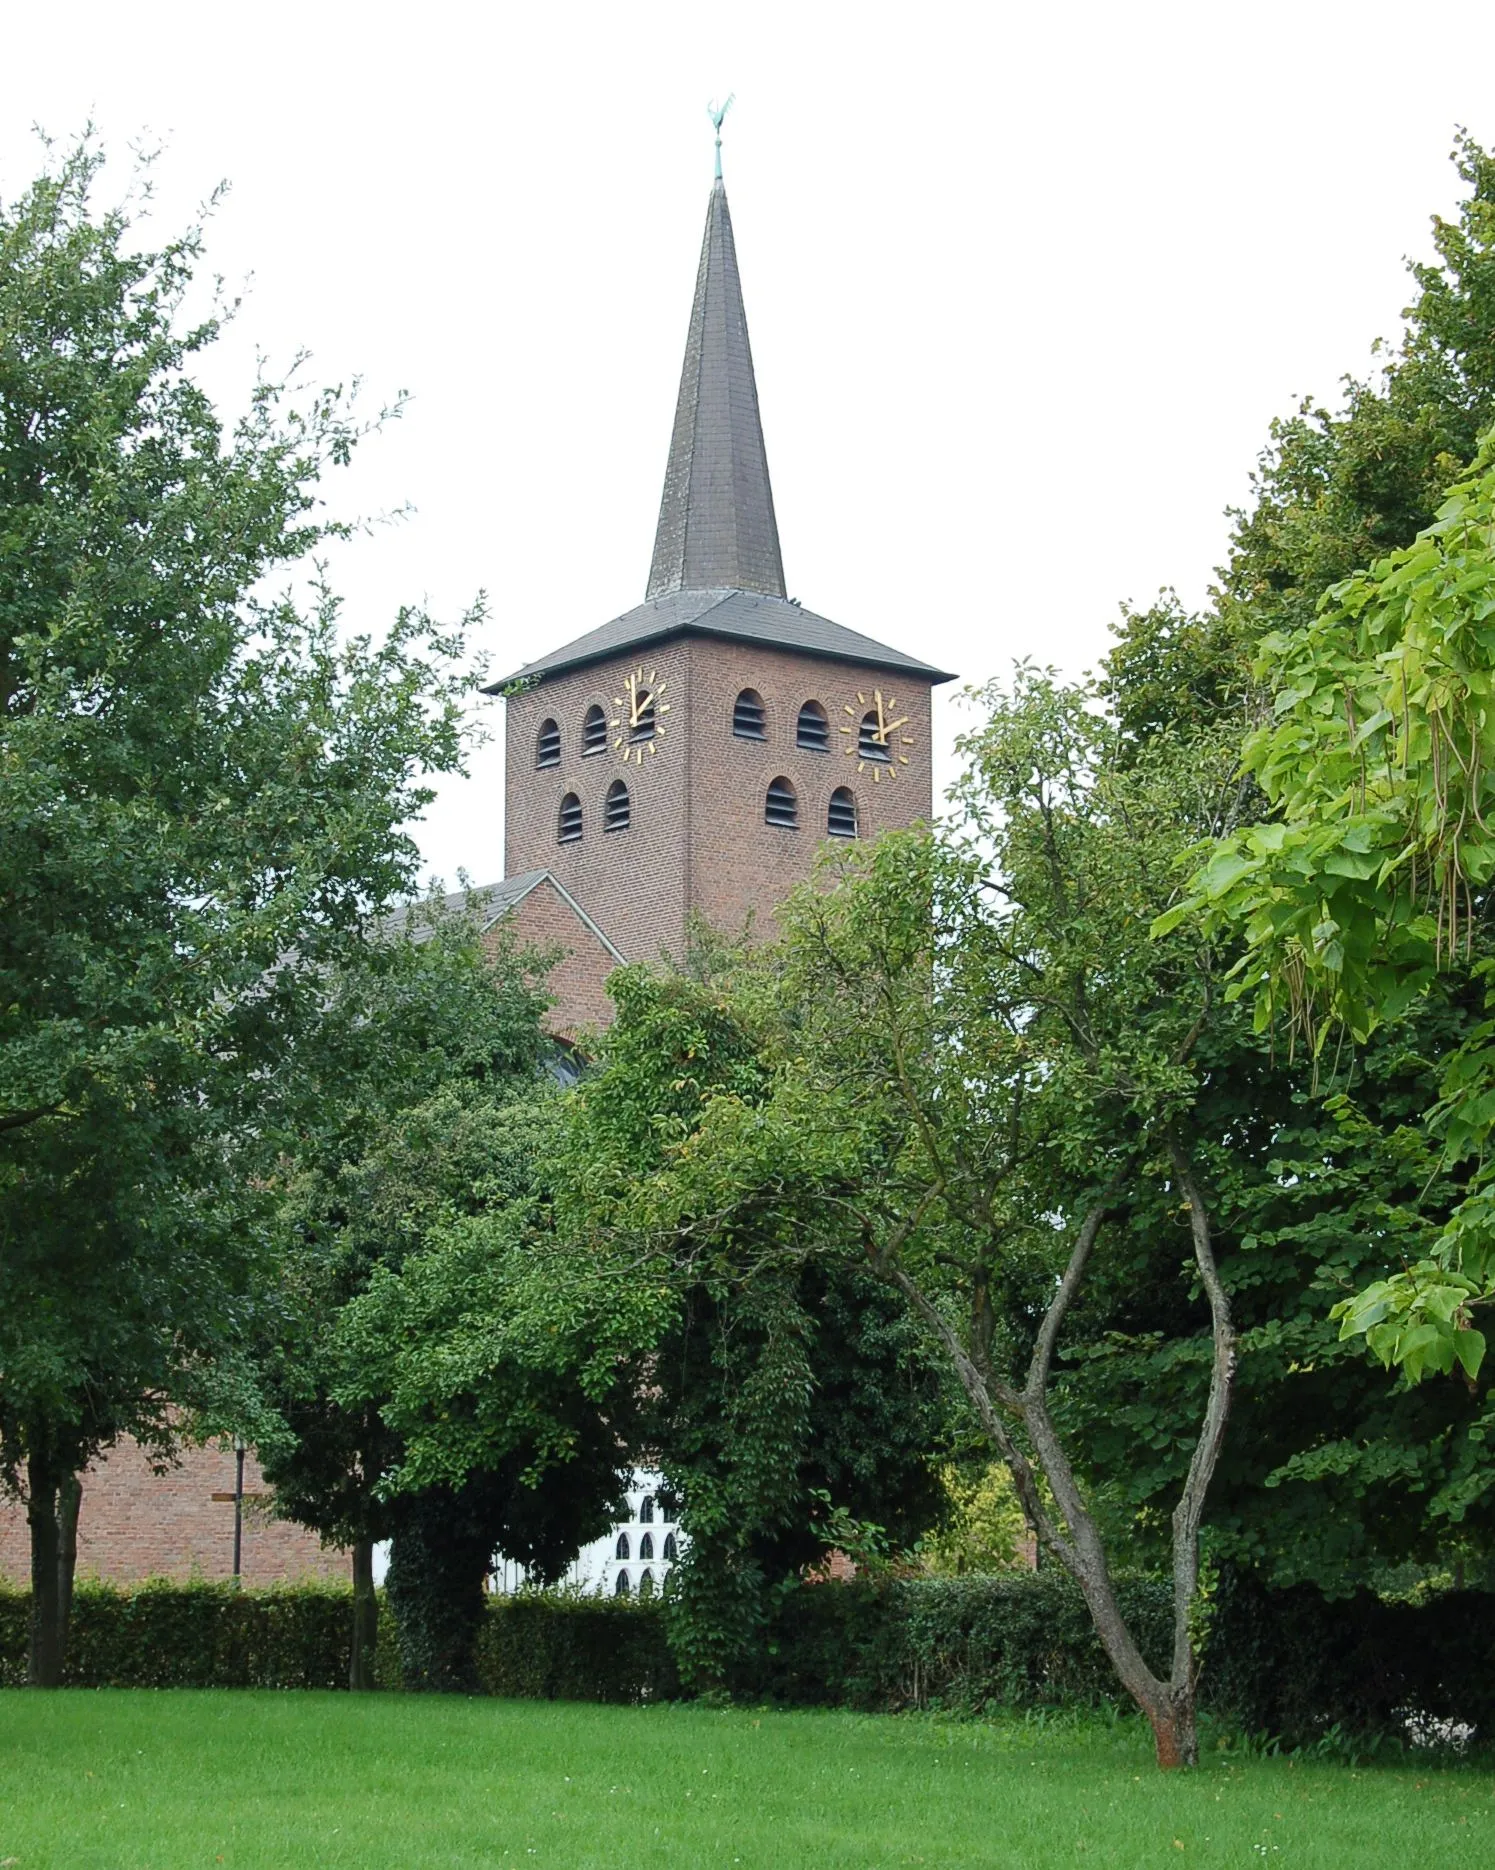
(1293, 1664)
(557, 1646)
(163, 1635)
(1285, 1663)
(561, 1646)
(967, 1644)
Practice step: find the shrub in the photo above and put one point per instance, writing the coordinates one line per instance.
(164, 1635)
(1020, 1640)
(562, 1646)
(1293, 1664)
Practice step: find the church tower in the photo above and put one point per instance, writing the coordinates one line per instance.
(690, 757)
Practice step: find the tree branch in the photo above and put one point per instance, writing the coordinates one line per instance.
(1190, 1509)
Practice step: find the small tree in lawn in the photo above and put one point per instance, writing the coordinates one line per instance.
(976, 1065)
(202, 795)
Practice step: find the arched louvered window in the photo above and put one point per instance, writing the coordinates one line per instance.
(622, 1551)
(749, 718)
(646, 1583)
(646, 1546)
(645, 727)
(568, 826)
(594, 731)
(615, 809)
(646, 1510)
(548, 745)
(814, 731)
(620, 1589)
(668, 1554)
(869, 747)
(781, 807)
(841, 815)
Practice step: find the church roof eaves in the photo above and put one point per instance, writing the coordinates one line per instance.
(490, 903)
(738, 616)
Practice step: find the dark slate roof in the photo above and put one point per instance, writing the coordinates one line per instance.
(716, 521)
(489, 903)
(740, 616)
(717, 569)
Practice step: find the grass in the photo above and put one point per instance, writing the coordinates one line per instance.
(134, 1780)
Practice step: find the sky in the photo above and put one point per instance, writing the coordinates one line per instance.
(1026, 285)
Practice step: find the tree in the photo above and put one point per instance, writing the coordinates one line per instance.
(787, 1395)
(967, 1070)
(1349, 1181)
(202, 795)
(1374, 872)
(502, 1373)
(423, 1050)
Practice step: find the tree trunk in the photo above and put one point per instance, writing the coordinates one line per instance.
(365, 1619)
(1174, 1731)
(69, 1503)
(48, 1635)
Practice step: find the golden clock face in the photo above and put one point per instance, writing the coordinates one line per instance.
(638, 725)
(876, 735)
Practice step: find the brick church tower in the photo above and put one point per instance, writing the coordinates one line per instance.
(690, 757)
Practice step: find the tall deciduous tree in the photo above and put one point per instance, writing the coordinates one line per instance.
(202, 795)
(1374, 873)
(973, 1071)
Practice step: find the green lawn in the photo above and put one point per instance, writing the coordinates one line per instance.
(130, 1780)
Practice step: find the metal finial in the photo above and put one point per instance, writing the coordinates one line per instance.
(716, 112)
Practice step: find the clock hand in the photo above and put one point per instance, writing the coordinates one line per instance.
(902, 721)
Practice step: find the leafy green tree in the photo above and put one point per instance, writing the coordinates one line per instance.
(202, 795)
(1374, 872)
(784, 1395)
(965, 1070)
(423, 1050)
(1347, 1182)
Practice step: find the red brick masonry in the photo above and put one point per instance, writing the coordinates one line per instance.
(134, 1524)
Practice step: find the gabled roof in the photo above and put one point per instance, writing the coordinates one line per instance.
(716, 521)
(740, 616)
(489, 903)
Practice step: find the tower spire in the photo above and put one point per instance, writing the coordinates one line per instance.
(717, 529)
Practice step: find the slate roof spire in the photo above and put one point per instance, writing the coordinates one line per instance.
(717, 529)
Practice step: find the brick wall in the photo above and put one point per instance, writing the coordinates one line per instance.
(697, 840)
(134, 1524)
(741, 867)
(632, 883)
(546, 921)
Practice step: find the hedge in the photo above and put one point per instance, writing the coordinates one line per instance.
(162, 1635)
(556, 1646)
(966, 1644)
(1287, 1664)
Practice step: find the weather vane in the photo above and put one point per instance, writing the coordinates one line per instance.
(716, 112)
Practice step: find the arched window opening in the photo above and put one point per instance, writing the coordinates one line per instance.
(781, 807)
(622, 1551)
(814, 731)
(594, 731)
(869, 746)
(749, 717)
(548, 744)
(646, 1546)
(668, 1554)
(646, 1584)
(644, 727)
(620, 1589)
(646, 1510)
(568, 828)
(841, 816)
(615, 810)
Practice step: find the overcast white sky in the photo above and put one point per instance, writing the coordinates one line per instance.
(1025, 284)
